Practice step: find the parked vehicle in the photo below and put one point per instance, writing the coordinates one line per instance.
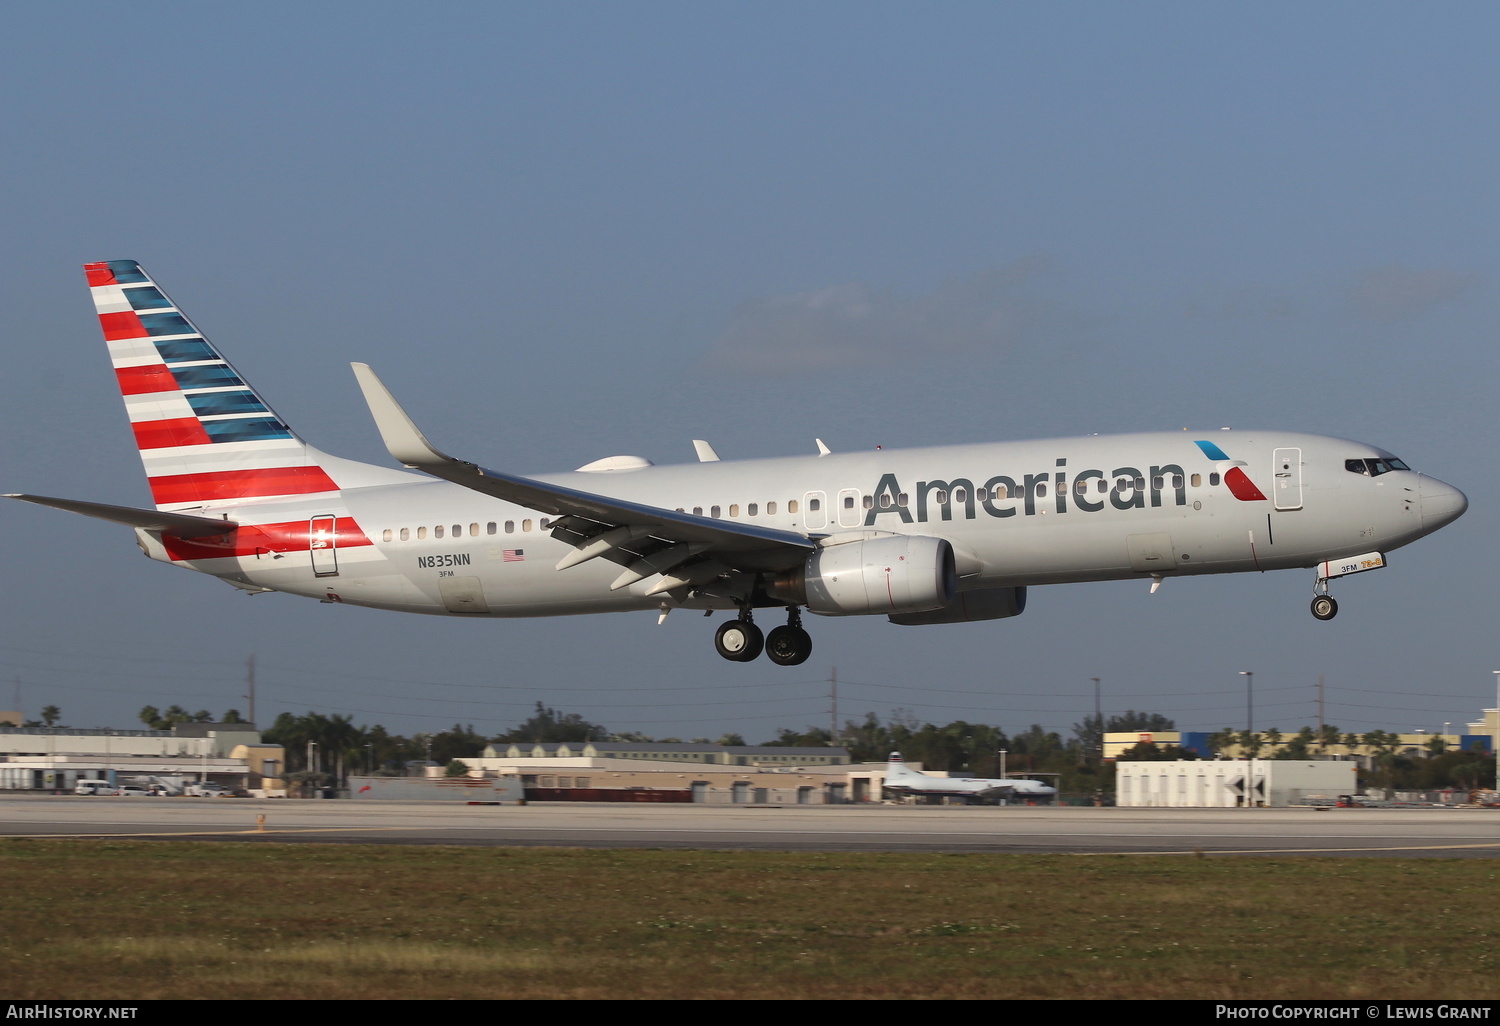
(207, 790)
(130, 791)
(94, 787)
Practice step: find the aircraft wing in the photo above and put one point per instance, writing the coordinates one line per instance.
(183, 525)
(647, 540)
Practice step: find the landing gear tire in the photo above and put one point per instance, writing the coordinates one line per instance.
(739, 641)
(1324, 607)
(788, 646)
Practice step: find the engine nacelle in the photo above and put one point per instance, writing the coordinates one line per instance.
(968, 606)
(899, 574)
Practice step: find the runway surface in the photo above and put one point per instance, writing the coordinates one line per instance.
(1421, 832)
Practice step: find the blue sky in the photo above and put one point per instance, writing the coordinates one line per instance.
(562, 232)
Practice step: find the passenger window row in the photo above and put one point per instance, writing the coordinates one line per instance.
(457, 530)
(753, 509)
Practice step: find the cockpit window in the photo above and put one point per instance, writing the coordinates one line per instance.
(1375, 467)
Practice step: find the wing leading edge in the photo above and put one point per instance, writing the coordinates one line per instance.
(686, 550)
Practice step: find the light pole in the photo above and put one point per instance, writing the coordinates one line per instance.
(1001, 753)
(1249, 676)
(1495, 737)
(1098, 718)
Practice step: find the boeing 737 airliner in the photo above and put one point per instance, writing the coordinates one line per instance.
(922, 536)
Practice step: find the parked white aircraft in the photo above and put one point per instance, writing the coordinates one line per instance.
(902, 779)
(922, 536)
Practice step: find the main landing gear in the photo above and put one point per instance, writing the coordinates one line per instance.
(740, 641)
(1323, 605)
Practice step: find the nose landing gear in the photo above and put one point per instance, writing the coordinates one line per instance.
(1323, 605)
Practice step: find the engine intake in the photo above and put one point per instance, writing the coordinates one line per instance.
(899, 574)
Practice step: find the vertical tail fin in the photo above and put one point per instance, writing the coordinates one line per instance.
(204, 435)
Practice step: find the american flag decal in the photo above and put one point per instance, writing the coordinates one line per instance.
(513, 555)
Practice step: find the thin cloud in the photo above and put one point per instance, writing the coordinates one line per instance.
(856, 324)
(1395, 293)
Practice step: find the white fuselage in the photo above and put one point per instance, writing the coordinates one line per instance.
(1016, 514)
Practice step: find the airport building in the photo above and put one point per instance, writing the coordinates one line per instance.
(57, 758)
(703, 753)
(1198, 743)
(669, 771)
(1232, 783)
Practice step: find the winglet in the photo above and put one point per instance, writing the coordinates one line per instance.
(403, 440)
(705, 451)
(823, 450)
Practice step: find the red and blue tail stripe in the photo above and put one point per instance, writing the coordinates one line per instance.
(204, 435)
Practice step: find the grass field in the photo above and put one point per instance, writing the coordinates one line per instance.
(142, 920)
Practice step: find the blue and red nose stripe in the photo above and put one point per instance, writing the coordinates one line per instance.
(1239, 484)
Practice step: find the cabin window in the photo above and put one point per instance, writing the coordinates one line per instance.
(1157, 482)
(510, 527)
(982, 494)
(1103, 486)
(1213, 480)
(791, 505)
(489, 528)
(437, 532)
(1041, 489)
(697, 511)
(421, 533)
(960, 495)
(885, 500)
(1081, 487)
(869, 502)
(1197, 480)
(752, 508)
(901, 499)
(545, 523)
(713, 511)
(734, 509)
(1002, 492)
(848, 502)
(941, 496)
(385, 535)
(1176, 480)
(1140, 483)
(813, 505)
(406, 534)
(771, 509)
(458, 530)
(525, 525)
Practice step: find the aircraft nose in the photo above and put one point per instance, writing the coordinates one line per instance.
(1441, 503)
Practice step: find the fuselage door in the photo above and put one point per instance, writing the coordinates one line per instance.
(1286, 464)
(814, 511)
(850, 515)
(322, 539)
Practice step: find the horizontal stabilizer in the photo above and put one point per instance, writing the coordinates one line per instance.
(182, 525)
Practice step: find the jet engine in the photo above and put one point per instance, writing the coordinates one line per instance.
(898, 574)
